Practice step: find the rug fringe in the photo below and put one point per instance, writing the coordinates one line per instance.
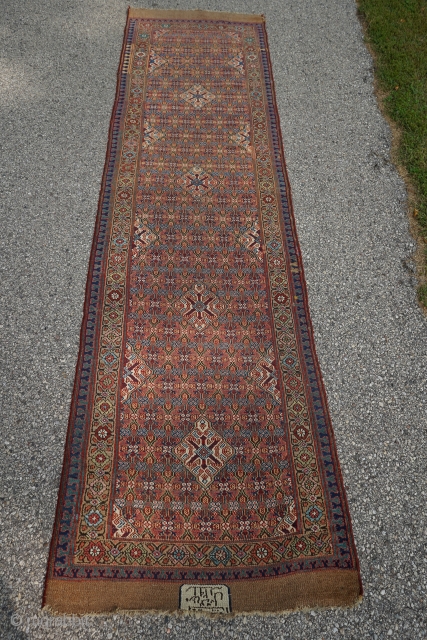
(137, 613)
(196, 14)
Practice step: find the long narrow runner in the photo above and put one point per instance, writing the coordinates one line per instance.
(200, 470)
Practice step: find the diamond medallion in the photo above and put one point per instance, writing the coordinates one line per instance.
(204, 452)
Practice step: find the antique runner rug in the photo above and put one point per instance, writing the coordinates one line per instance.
(200, 469)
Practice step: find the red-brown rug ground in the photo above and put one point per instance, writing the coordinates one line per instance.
(200, 468)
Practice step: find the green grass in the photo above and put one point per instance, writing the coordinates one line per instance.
(422, 294)
(397, 32)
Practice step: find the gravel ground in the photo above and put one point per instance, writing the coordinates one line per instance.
(58, 77)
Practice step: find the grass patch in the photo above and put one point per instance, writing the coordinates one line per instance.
(397, 32)
(422, 294)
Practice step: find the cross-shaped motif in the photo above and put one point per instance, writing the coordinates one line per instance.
(198, 96)
(204, 452)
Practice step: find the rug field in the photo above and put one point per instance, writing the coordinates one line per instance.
(200, 470)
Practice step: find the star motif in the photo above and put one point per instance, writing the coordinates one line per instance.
(204, 452)
(200, 307)
(198, 96)
(198, 182)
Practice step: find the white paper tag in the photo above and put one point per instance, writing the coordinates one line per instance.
(213, 598)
